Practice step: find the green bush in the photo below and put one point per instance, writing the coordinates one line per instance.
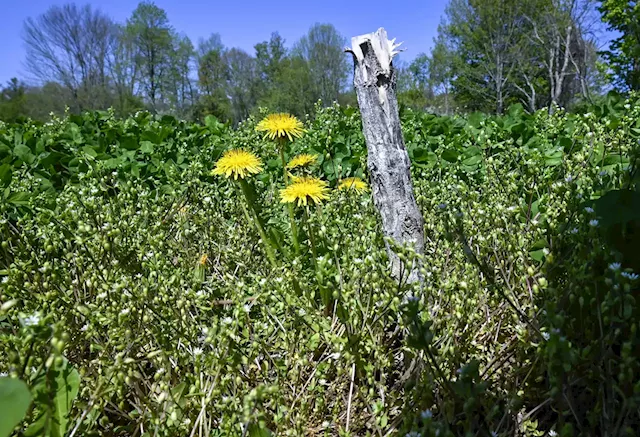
(137, 299)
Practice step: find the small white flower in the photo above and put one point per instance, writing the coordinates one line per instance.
(615, 266)
(569, 178)
(426, 414)
(5, 279)
(31, 320)
(593, 223)
(197, 351)
(125, 311)
(246, 308)
(84, 328)
(552, 433)
(630, 276)
(574, 231)
(227, 320)
(546, 336)
(589, 209)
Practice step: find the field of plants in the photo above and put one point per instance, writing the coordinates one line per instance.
(165, 278)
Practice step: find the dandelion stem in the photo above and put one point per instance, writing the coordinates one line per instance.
(268, 243)
(294, 228)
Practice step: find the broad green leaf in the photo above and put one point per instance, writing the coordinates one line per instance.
(5, 175)
(146, 147)
(15, 399)
(22, 152)
(67, 383)
(20, 198)
(450, 155)
(90, 151)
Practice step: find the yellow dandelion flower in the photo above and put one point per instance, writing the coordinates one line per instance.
(304, 188)
(355, 184)
(203, 259)
(302, 161)
(238, 163)
(276, 126)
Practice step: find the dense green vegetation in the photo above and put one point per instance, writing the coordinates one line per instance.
(136, 297)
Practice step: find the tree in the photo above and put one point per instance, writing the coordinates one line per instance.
(412, 82)
(179, 90)
(212, 77)
(441, 72)
(212, 71)
(623, 56)
(557, 40)
(485, 37)
(152, 39)
(242, 82)
(323, 49)
(269, 60)
(13, 101)
(125, 73)
(72, 46)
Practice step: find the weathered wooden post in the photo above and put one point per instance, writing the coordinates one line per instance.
(388, 162)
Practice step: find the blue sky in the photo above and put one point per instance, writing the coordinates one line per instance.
(245, 23)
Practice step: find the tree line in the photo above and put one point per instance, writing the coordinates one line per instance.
(487, 55)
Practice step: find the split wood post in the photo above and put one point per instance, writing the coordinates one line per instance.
(388, 162)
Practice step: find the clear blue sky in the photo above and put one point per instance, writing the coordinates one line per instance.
(245, 23)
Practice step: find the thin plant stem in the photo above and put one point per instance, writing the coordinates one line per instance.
(268, 244)
(314, 253)
(284, 164)
(292, 221)
(311, 236)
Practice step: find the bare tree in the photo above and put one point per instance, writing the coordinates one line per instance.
(124, 72)
(72, 45)
(559, 35)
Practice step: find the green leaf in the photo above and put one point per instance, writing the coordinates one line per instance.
(15, 399)
(450, 155)
(22, 152)
(67, 384)
(256, 430)
(146, 147)
(537, 255)
(553, 156)
(20, 198)
(5, 175)
(618, 207)
(90, 151)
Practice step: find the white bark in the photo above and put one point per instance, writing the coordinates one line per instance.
(388, 162)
